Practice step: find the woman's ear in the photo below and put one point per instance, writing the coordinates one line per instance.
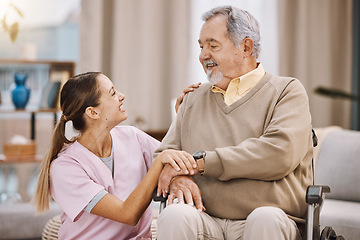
(92, 113)
(248, 47)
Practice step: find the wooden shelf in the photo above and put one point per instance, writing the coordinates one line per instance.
(21, 61)
(54, 65)
(28, 110)
(20, 159)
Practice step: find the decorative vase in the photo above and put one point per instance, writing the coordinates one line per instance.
(21, 93)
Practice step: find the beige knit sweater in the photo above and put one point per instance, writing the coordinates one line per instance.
(258, 150)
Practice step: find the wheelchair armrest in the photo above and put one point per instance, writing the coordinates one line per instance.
(314, 194)
(314, 197)
(160, 199)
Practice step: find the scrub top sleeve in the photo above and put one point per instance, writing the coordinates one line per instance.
(71, 187)
(148, 145)
(95, 200)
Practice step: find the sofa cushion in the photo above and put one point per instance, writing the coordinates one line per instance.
(338, 165)
(342, 216)
(20, 220)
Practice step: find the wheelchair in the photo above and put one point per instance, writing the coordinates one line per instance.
(315, 195)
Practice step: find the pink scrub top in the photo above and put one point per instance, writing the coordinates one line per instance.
(77, 175)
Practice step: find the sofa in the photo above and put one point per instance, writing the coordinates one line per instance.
(20, 220)
(337, 164)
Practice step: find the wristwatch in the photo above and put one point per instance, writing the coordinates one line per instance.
(199, 157)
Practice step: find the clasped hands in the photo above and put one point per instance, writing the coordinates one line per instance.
(175, 179)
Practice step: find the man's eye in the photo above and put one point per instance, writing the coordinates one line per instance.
(113, 93)
(213, 46)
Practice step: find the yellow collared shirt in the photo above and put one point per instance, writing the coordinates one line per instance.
(239, 86)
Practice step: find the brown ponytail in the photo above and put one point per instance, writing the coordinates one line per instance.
(58, 141)
(78, 93)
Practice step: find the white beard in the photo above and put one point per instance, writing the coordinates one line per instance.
(214, 78)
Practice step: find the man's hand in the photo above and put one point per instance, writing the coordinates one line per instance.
(166, 175)
(186, 191)
(186, 90)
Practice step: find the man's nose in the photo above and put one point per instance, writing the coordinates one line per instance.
(204, 54)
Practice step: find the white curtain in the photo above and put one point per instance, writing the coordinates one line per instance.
(316, 47)
(146, 48)
(143, 47)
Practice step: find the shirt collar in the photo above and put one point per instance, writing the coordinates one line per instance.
(246, 80)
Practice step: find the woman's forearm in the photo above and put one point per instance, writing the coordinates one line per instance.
(131, 210)
(141, 197)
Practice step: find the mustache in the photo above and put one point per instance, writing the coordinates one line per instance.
(210, 61)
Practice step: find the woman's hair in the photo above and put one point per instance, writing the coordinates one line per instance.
(240, 25)
(78, 93)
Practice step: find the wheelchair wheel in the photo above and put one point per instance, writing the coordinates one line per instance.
(329, 234)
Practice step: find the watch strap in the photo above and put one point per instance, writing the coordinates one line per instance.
(199, 157)
(201, 165)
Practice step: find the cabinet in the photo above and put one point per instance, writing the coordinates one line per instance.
(39, 74)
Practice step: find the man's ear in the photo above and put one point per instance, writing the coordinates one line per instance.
(248, 47)
(92, 113)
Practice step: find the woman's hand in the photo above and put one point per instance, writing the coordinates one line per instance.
(179, 160)
(186, 90)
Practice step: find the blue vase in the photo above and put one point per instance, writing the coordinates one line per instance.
(21, 93)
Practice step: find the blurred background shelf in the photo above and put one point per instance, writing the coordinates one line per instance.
(33, 113)
(68, 66)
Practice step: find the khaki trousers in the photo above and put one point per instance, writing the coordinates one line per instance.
(181, 222)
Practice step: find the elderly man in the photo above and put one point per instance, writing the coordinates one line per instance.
(251, 135)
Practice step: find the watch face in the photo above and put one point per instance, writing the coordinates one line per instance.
(199, 155)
